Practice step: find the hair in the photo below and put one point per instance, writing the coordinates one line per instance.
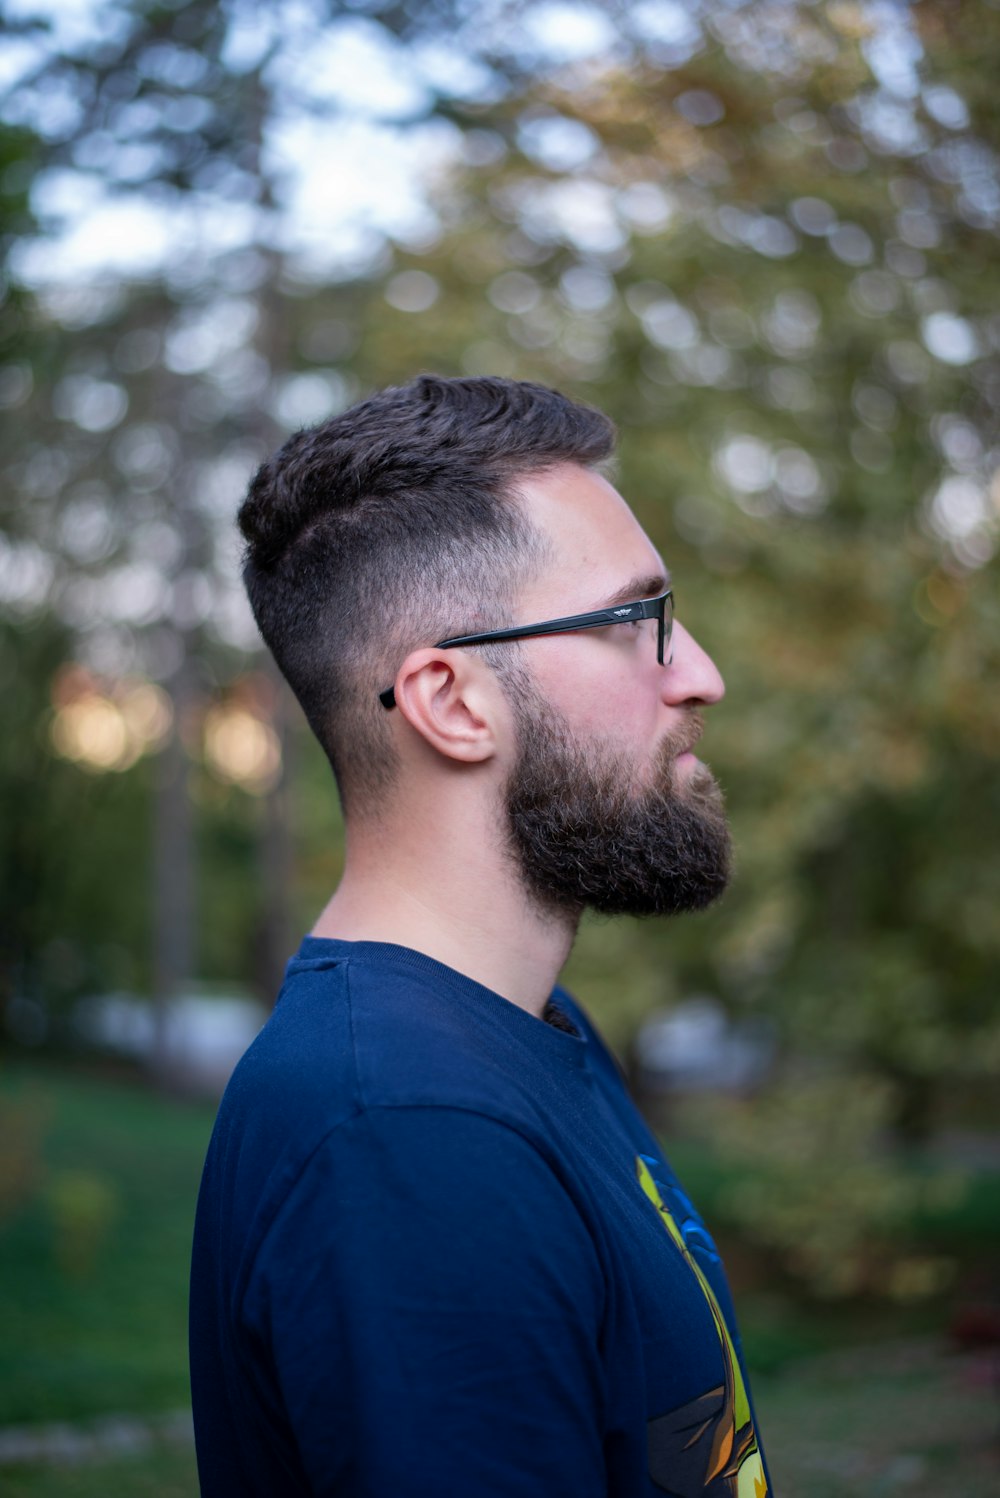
(392, 525)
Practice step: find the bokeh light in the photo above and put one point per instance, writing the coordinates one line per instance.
(242, 748)
(107, 726)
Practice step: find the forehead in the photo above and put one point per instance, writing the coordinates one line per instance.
(595, 543)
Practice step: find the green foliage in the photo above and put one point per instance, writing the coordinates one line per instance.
(94, 1262)
(22, 1121)
(790, 427)
(73, 846)
(603, 973)
(82, 1206)
(769, 252)
(816, 1183)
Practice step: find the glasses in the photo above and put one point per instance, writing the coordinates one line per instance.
(661, 609)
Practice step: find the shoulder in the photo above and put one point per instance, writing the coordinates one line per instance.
(428, 1262)
(397, 1192)
(349, 1035)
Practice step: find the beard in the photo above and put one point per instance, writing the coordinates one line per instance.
(584, 835)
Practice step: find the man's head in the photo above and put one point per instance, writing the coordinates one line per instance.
(454, 507)
(393, 525)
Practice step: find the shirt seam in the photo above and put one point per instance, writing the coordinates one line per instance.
(409, 958)
(358, 1089)
(247, 1273)
(576, 1061)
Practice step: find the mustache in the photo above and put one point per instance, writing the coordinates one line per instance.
(682, 739)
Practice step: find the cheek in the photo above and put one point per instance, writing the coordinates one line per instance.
(597, 687)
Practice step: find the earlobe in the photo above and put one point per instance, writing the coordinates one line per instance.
(440, 697)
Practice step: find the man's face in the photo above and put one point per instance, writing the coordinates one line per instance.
(605, 805)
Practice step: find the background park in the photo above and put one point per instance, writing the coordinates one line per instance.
(764, 238)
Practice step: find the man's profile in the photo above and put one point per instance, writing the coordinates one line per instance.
(437, 1251)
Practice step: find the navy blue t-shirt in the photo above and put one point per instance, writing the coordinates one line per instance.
(438, 1254)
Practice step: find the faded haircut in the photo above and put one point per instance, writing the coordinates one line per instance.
(391, 526)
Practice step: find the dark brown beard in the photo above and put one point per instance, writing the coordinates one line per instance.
(584, 835)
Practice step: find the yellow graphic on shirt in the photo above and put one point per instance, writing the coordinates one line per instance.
(708, 1446)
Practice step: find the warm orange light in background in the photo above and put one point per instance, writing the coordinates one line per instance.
(241, 748)
(104, 726)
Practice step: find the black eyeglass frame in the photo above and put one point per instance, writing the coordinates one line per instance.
(623, 613)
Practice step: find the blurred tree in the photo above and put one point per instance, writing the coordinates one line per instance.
(70, 921)
(763, 238)
(773, 257)
(154, 395)
(767, 244)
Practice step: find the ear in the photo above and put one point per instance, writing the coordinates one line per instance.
(449, 699)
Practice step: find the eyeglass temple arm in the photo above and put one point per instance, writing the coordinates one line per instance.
(646, 608)
(594, 620)
(552, 627)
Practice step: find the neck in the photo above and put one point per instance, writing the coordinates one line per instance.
(454, 898)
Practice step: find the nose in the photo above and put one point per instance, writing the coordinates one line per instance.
(692, 675)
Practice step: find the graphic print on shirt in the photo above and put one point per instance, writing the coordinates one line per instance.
(708, 1447)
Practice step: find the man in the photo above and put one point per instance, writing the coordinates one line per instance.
(437, 1251)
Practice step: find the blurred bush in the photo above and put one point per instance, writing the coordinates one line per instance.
(82, 1206)
(815, 1181)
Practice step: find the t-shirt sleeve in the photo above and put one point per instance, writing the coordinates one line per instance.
(431, 1302)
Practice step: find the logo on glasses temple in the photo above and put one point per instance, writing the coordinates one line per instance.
(622, 613)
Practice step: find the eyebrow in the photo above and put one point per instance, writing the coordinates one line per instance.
(644, 586)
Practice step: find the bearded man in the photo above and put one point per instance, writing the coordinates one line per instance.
(438, 1252)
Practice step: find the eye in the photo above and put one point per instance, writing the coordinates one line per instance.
(630, 628)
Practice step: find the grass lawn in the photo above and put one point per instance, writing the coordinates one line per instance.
(94, 1261)
(903, 1418)
(164, 1472)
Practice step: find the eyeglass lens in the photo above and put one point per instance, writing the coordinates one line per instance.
(666, 626)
